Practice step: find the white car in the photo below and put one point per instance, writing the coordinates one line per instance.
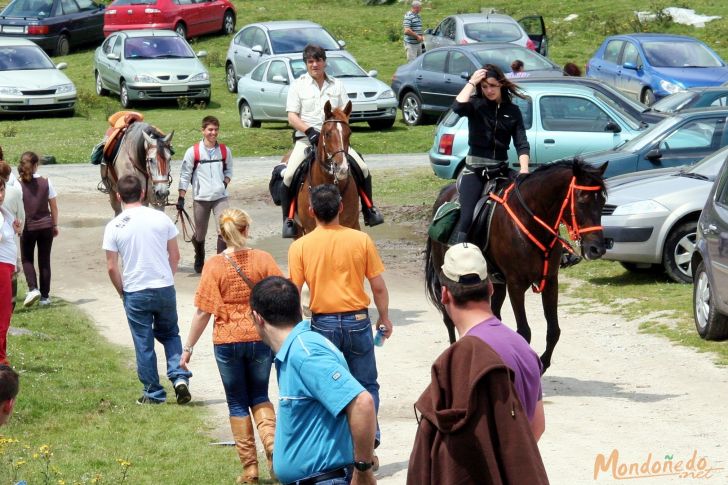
(30, 82)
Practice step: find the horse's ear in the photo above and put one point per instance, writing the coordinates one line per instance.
(603, 168)
(347, 109)
(327, 110)
(168, 138)
(148, 138)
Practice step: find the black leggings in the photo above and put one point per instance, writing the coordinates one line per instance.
(44, 239)
(471, 186)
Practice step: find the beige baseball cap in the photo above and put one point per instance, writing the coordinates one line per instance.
(464, 263)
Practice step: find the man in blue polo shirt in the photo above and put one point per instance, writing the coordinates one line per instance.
(326, 420)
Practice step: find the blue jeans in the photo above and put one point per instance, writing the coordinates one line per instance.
(152, 314)
(244, 368)
(345, 480)
(351, 333)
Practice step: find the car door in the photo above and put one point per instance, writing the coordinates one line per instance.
(274, 90)
(104, 64)
(605, 67)
(72, 20)
(191, 14)
(714, 228)
(570, 126)
(115, 66)
(631, 73)
(443, 35)
(535, 27)
(686, 143)
(458, 64)
(430, 81)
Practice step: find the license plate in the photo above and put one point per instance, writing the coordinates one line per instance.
(14, 29)
(365, 107)
(40, 101)
(173, 89)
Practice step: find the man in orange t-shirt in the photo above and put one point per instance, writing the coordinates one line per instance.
(333, 261)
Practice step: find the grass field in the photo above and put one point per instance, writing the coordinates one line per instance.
(372, 34)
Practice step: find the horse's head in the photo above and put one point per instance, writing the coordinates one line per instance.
(334, 141)
(158, 154)
(583, 215)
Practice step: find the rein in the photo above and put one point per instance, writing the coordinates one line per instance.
(572, 225)
(328, 158)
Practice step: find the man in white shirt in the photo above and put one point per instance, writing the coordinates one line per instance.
(305, 107)
(146, 241)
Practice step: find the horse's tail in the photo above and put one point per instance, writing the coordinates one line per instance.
(432, 282)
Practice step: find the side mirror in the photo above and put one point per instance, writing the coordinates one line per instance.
(654, 155)
(61, 65)
(465, 75)
(630, 65)
(258, 49)
(613, 127)
(279, 79)
(112, 56)
(341, 43)
(373, 73)
(428, 31)
(201, 54)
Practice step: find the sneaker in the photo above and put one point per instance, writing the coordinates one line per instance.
(31, 297)
(45, 301)
(148, 400)
(182, 390)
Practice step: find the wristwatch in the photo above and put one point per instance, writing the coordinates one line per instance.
(363, 466)
(188, 348)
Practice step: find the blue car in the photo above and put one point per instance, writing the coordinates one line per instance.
(648, 67)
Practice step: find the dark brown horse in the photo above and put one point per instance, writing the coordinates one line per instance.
(331, 166)
(527, 252)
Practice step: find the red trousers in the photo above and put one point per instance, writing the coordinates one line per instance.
(6, 307)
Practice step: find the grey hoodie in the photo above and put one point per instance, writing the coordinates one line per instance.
(208, 178)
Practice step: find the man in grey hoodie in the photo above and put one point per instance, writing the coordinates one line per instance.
(208, 167)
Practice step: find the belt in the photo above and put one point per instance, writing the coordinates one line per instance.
(338, 473)
(342, 314)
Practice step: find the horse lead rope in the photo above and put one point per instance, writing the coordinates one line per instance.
(572, 226)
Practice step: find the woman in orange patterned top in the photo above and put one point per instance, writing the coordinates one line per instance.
(243, 360)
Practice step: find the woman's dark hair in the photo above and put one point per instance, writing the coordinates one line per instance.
(517, 65)
(508, 87)
(572, 69)
(28, 161)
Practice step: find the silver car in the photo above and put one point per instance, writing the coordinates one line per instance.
(651, 221)
(262, 93)
(147, 65)
(468, 28)
(256, 42)
(30, 82)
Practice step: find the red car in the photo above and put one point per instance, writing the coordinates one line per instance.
(189, 18)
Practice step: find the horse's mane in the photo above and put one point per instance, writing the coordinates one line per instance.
(338, 114)
(576, 165)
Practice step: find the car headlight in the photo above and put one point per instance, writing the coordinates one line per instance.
(386, 94)
(143, 78)
(671, 87)
(640, 207)
(203, 76)
(10, 90)
(65, 88)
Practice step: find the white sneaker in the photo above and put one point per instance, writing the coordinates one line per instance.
(31, 297)
(45, 301)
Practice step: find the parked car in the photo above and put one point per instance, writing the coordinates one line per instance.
(681, 139)
(256, 42)
(262, 93)
(428, 85)
(710, 260)
(469, 28)
(147, 65)
(55, 25)
(561, 120)
(189, 18)
(648, 67)
(703, 97)
(30, 82)
(650, 222)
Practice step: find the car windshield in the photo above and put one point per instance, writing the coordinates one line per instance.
(633, 122)
(285, 41)
(139, 48)
(335, 66)
(503, 58)
(708, 166)
(649, 136)
(28, 8)
(680, 54)
(674, 102)
(24, 58)
(492, 31)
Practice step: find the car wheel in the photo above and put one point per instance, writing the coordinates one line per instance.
(710, 324)
(228, 23)
(412, 109)
(124, 96)
(100, 90)
(63, 46)
(647, 97)
(678, 250)
(181, 30)
(381, 124)
(246, 117)
(230, 78)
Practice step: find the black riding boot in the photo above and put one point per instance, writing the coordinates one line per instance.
(199, 255)
(221, 244)
(289, 226)
(372, 216)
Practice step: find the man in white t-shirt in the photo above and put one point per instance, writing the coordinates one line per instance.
(146, 241)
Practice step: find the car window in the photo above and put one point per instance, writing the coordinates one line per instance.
(448, 28)
(23, 57)
(631, 54)
(570, 113)
(277, 68)
(295, 39)
(157, 48)
(710, 165)
(135, 2)
(493, 32)
(693, 134)
(257, 74)
(86, 5)
(259, 39)
(627, 117)
(246, 37)
(69, 7)
(108, 44)
(502, 57)
(611, 52)
(183, 2)
(458, 63)
(679, 54)
(720, 101)
(298, 67)
(526, 107)
(434, 61)
(117, 48)
(343, 67)
(29, 8)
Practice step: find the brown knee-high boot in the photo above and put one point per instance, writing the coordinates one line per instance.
(245, 445)
(265, 421)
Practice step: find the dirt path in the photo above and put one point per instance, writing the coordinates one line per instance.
(609, 387)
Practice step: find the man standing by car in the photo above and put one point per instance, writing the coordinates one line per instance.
(305, 106)
(208, 167)
(413, 32)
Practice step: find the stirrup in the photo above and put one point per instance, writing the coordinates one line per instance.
(289, 229)
(104, 186)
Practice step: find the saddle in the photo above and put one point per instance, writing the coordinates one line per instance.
(276, 185)
(119, 123)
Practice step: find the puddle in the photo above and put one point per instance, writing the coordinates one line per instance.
(81, 223)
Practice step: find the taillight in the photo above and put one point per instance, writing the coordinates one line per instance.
(445, 147)
(152, 10)
(38, 29)
(530, 45)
